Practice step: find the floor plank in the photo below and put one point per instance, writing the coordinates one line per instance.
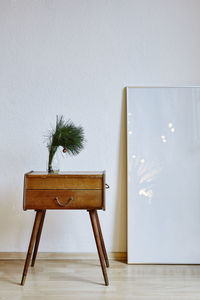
(81, 279)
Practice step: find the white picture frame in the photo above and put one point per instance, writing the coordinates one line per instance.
(163, 174)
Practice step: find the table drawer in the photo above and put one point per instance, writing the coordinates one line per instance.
(63, 199)
(63, 182)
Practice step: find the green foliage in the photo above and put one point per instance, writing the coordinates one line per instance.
(67, 135)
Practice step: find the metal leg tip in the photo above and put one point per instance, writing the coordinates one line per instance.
(23, 280)
(106, 281)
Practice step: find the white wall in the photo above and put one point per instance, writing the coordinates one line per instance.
(75, 58)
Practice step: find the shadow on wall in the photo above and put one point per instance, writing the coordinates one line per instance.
(120, 231)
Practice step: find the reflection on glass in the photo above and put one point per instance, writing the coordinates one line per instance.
(148, 176)
(146, 193)
(164, 140)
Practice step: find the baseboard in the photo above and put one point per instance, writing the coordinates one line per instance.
(120, 256)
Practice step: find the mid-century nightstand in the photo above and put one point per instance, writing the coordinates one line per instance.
(65, 190)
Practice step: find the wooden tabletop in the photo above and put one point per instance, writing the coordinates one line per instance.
(61, 173)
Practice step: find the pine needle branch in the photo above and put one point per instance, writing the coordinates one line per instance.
(67, 135)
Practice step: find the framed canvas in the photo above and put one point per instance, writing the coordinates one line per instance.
(163, 174)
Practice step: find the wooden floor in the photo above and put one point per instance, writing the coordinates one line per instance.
(80, 279)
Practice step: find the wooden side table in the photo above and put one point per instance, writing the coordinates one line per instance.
(66, 190)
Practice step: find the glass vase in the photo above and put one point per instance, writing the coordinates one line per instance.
(54, 167)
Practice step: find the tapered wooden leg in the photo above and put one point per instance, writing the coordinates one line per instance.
(101, 239)
(98, 243)
(31, 244)
(38, 238)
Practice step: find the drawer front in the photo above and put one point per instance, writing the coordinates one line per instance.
(63, 199)
(64, 182)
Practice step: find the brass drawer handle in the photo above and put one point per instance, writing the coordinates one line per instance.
(64, 204)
